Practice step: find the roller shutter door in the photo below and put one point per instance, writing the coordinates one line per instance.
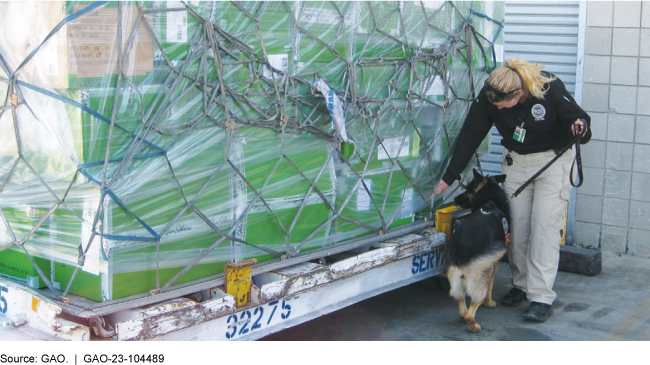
(548, 33)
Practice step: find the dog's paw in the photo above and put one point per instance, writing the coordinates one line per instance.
(474, 327)
(490, 304)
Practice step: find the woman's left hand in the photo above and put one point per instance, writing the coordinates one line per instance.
(579, 127)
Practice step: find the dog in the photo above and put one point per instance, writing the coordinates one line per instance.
(477, 244)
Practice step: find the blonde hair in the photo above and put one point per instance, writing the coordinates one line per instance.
(516, 74)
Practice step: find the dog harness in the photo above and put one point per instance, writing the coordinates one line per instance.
(504, 222)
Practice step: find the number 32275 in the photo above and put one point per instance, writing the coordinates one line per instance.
(240, 323)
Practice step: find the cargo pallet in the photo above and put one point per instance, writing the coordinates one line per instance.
(284, 293)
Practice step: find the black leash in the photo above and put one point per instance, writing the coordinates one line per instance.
(576, 162)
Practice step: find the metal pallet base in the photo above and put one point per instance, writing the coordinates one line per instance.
(281, 298)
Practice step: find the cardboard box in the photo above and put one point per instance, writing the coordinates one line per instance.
(17, 267)
(93, 134)
(126, 259)
(275, 24)
(90, 52)
(84, 52)
(384, 193)
(322, 21)
(273, 40)
(178, 31)
(234, 178)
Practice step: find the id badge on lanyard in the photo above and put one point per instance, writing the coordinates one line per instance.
(520, 134)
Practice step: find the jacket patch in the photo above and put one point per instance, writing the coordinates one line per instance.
(538, 112)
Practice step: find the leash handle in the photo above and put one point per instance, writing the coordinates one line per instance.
(577, 159)
(577, 162)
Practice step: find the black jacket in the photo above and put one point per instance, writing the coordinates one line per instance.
(547, 123)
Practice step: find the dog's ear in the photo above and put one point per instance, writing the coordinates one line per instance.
(499, 179)
(477, 175)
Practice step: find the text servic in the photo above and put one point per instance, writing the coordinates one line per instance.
(426, 261)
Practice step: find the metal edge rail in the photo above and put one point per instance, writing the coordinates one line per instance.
(288, 296)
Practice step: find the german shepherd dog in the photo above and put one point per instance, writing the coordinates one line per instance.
(473, 252)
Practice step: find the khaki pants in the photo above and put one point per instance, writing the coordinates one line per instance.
(534, 250)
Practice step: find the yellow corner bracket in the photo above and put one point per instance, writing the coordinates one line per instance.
(239, 280)
(444, 221)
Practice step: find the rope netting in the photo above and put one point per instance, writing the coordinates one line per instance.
(147, 144)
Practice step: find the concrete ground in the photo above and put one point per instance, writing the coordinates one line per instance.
(614, 305)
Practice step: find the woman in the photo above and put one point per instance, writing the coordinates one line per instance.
(535, 116)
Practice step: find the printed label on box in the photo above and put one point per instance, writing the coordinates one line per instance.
(176, 23)
(498, 52)
(407, 203)
(91, 264)
(433, 4)
(278, 62)
(363, 198)
(321, 16)
(51, 58)
(391, 148)
(437, 87)
(87, 46)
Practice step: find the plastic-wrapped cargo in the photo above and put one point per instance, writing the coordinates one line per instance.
(147, 144)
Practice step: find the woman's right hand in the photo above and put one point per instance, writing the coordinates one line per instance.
(579, 127)
(442, 186)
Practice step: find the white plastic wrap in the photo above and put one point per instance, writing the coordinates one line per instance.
(146, 144)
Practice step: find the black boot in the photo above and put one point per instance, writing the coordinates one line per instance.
(538, 312)
(514, 298)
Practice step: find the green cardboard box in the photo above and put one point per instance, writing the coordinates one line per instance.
(273, 41)
(321, 20)
(379, 193)
(178, 31)
(200, 175)
(16, 266)
(80, 53)
(125, 261)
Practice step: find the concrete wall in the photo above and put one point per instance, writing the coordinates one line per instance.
(613, 205)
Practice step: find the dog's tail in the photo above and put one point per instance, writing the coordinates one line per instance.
(471, 278)
(484, 261)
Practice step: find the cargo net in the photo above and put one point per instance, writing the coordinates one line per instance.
(147, 144)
